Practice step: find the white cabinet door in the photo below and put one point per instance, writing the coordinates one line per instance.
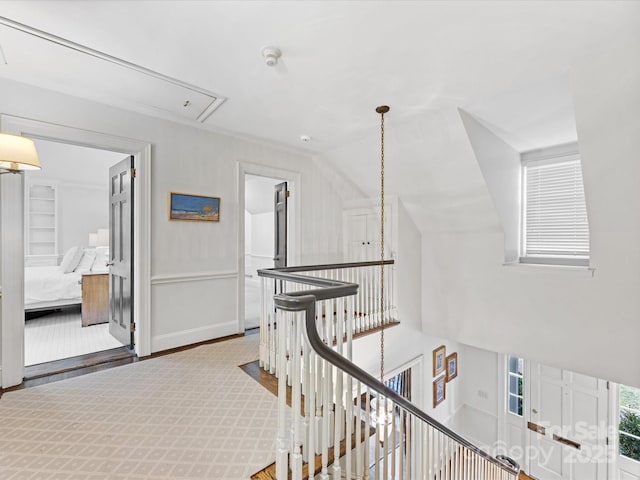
(363, 236)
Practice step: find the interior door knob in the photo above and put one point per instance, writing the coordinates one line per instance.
(534, 410)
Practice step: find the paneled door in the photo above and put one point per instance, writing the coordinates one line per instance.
(121, 251)
(281, 195)
(567, 425)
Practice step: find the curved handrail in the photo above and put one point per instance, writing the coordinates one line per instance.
(306, 301)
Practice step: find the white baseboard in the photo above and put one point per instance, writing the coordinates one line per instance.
(195, 335)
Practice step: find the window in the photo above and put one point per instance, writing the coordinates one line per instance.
(555, 229)
(515, 377)
(629, 426)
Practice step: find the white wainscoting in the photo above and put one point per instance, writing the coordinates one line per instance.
(193, 307)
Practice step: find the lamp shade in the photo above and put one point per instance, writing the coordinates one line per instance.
(18, 153)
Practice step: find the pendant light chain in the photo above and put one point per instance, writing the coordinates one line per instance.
(382, 110)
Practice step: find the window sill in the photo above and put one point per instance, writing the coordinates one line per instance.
(546, 267)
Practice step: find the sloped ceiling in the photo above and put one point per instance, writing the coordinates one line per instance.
(507, 63)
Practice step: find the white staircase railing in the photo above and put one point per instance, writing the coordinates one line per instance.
(342, 422)
(366, 312)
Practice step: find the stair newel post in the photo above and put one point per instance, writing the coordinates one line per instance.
(282, 452)
(338, 411)
(264, 332)
(296, 404)
(271, 316)
(385, 439)
(367, 436)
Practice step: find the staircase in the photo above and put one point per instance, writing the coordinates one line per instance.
(340, 421)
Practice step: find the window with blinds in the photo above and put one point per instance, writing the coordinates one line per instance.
(555, 228)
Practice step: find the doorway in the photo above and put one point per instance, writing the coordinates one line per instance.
(12, 241)
(66, 250)
(567, 424)
(259, 240)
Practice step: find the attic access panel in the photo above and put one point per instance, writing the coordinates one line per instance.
(37, 58)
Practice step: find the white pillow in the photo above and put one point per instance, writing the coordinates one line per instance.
(71, 259)
(88, 256)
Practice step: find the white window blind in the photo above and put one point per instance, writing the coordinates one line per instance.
(555, 221)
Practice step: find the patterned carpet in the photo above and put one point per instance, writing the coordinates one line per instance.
(192, 414)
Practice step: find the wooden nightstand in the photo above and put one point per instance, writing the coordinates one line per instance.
(95, 298)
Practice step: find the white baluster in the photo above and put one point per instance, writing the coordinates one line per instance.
(338, 417)
(282, 466)
(367, 425)
(311, 399)
(359, 432)
(296, 460)
(393, 442)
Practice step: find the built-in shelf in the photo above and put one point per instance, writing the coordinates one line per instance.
(41, 219)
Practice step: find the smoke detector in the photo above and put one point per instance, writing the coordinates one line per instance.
(271, 55)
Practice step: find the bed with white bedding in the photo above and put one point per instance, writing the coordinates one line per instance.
(61, 286)
(50, 287)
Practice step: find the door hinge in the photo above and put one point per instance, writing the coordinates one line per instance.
(288, 194)
(132, 327)
(607, 440)
(133, 172)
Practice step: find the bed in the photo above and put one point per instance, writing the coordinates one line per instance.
(52, 287)
(49, 287)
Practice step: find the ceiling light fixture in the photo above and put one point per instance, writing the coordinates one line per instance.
(271, 55)
(17, 154)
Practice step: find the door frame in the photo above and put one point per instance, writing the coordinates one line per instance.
(12, 305)
(293, 234)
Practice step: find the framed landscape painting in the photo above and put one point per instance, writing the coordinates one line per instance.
(199, 208)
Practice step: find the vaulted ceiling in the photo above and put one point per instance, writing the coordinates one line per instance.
(508, 64)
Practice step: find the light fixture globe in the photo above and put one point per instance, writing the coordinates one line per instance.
(17, 153)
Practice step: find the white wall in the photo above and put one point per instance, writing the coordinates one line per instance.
(501, 168)
(81, 210)
(561, 317)
(262, 234)
(194, 287)
(477, 419)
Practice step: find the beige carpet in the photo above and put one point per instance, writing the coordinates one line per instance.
(192, 414)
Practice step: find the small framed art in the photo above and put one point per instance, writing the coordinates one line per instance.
(452, 366)
(439, 390)
(199, 208)
(438, 360)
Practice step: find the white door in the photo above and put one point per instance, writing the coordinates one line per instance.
(567, 425)
(121, 251)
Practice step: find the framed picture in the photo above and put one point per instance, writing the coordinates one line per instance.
(438, 360)
(183, 206)
(439, 390)
(452, 366)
